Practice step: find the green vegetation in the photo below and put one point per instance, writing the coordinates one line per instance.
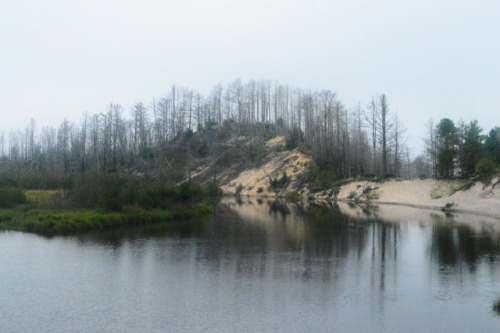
(11, 197)
(111, 192)
(102, 201)
(372, 194)
(463, 151)
(279, 183)
(448, 206)
(321, 180)
(68, 222)
(40, 196)
(239, 188)
(292, 196)
(293, 138)
(486, 168)
(447, 134)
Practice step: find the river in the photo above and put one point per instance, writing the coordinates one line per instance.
(260, 266)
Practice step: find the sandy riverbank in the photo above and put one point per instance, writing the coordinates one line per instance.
(454, 196)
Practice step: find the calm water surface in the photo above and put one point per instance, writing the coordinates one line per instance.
(260, 267)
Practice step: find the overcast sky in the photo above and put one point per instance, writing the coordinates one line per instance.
(432, 58)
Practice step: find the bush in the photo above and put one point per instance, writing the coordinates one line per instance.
(293, 138)
(214, 191)
(322, 179)
(292, 196)
(277, 184)
(284, 178)
(10, 197)
(110, 192)
(239, 188)
(260, 190)
(485, 168)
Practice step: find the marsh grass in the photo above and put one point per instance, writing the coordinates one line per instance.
(100, 202)
(40, 196)
(70, 222)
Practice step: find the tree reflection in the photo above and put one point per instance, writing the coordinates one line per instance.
(457, 245)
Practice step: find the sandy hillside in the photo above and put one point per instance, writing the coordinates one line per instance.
(257, 181)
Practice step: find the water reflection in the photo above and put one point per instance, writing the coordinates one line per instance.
(262, 265)
(318, 241)
(325, 237)
(461, 245)
(312, 241)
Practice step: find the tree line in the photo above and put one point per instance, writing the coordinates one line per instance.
(459, 150)
(346, 142)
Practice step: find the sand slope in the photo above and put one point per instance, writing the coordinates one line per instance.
(454, 196)
(256, 181)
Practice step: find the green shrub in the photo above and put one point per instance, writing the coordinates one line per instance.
(277, 184)
(322, 179)
(485, 168)
(260, 190)
(110, 192)
(214, 191)
(284, 178)
(11, 197)
(372, 195)
(293, 138)
(292, 196)
(239, 188)
(6, 215)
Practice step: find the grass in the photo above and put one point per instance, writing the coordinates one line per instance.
(69, 222)
(39, 196)
(100, 202)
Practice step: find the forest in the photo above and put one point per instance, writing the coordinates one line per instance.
(164, 138)
(459, 151)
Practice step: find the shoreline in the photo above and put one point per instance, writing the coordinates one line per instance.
(436, 208)
(447, 196)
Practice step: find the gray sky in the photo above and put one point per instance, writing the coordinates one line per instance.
(439, 58)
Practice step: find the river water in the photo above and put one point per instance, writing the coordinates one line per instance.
(260, 266)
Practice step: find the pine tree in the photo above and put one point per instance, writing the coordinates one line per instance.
(492, 145)
(471, 149)
(447, 150)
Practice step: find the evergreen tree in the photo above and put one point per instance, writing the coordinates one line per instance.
(471, 149)
(447, 148)
(492, 145)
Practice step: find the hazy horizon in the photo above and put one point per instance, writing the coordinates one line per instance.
(432, 59)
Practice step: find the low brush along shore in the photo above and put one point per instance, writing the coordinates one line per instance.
(56, 222)
(102, 202)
